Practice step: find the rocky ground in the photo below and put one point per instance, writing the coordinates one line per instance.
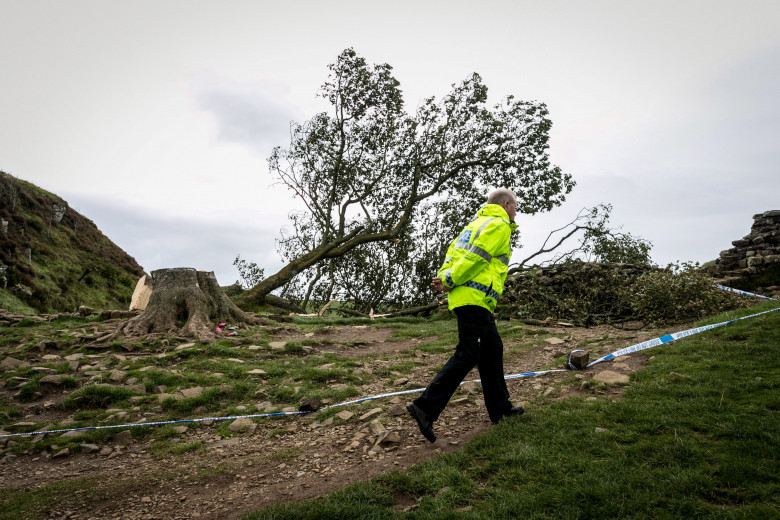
(255, 463)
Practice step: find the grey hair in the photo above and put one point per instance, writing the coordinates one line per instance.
(501, 195)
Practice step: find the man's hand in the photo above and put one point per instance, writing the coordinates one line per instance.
(439, 285)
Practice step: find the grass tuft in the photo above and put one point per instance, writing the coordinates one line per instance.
(97, 396)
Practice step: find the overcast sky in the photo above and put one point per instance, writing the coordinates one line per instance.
(155, 118)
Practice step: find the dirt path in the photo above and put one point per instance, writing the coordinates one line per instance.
(296, 457)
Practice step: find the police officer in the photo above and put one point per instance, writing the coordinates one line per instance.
(473, 275)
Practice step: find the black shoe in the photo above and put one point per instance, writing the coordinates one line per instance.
(423, 421)
(513, 412)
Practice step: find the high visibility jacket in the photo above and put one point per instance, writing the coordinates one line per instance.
(477, 260)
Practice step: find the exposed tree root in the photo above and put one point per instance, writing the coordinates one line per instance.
(185, 303)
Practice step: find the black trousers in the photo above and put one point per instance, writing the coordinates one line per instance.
(478, 344)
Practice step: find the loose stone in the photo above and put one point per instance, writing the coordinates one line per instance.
(370, 414)
(610, 377)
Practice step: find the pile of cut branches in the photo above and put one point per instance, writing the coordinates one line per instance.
(589, 293)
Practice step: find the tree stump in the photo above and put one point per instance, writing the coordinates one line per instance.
(185, 303)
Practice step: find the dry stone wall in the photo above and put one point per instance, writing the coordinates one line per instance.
(756, 257)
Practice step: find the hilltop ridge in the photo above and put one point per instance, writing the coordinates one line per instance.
(53, 259)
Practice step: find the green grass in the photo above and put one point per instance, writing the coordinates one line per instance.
(72, 494)
(213, 399)
(27, 390)
(8, 412)
(97, 396)
(17, 503)
(168, 448)
(293, 347)
(592, 341)
(72, 262)
(702, 443)
(10, 302)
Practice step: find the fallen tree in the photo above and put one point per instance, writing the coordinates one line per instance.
(373, 177)
(590, 293)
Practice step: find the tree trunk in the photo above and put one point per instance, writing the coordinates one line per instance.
(416, 310)
(257, 294)
(281, 303)
(186, 303)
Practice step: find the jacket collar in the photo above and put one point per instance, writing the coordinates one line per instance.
(494, 210)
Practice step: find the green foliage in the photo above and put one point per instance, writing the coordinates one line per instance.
(621, 248)
(680, 292)
(590, 293)
(249, 273)
(604, 244)
(386, 190)
(576, 291)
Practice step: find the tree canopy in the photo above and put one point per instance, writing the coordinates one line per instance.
(385, 190)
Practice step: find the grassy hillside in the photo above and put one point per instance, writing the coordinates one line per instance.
(70, 261)
(695, 436)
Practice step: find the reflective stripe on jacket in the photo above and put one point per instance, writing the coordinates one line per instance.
(477, 260)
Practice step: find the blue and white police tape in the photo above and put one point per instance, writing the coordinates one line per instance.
(157, 423)
(532, 374)
(743, 293)
(420, 390)
(255, 416)
(662, 340)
